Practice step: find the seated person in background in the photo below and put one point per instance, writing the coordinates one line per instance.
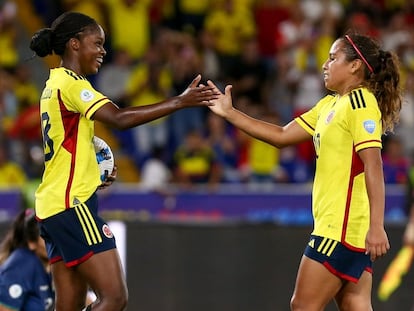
(155, 174)
(12, 174)
(395, 162)
(195, 162)
(223, 139)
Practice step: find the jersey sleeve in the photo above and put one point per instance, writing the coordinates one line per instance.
(308, 119)
(13, 287)
(364, 120)
(82, 97)
(24, 284)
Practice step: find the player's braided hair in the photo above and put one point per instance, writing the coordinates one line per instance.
(383, 80)
(68, 25)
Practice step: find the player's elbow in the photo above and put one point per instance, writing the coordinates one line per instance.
(121, 125)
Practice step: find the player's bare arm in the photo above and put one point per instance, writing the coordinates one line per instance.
(193, 96)
(377, 243)
(278, 136)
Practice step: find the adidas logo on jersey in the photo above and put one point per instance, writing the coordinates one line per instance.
(312, 243)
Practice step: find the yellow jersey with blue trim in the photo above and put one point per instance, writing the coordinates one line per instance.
(341, 126)
(71, 173)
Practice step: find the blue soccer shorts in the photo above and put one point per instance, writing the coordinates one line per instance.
(345, 263)
(76, 234)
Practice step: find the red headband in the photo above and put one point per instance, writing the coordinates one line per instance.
(359, 53)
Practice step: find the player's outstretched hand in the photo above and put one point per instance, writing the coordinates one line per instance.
(109, 179)
(197, 95)
(223, 104)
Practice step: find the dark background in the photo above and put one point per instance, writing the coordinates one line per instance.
(228, 267)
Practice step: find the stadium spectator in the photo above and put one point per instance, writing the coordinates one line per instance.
(24, 88)
(268, 15)
(149, 81)
(190, 15)
(129, 26)
(395, 162)
(184, 62)
(9, 56)
(263, 159)
(222, 137)
(195, 163)
(12, 175)
(8, 101)
(155, 174)
(114, 76)
(249, 74)
(229, 24)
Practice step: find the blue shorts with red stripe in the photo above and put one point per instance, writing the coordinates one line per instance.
(76, 234)
(338, 259)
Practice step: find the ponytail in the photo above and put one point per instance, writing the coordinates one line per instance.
(23, 230)
(385, 84)
(382, 75)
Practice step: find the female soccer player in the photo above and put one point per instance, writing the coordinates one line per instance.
(25, 283)
(348, 192)
(80, 245)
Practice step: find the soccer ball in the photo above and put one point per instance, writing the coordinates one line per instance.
(104, 157)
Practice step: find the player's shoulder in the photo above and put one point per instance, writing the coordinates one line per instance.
(22, 260)
(328, 99)
(361, 98)
(70, 83)
(66, 74)
(64, 78)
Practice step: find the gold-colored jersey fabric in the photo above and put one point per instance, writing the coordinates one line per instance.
(342, 126)
(71, 173)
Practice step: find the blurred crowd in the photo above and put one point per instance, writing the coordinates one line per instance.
(271, 51)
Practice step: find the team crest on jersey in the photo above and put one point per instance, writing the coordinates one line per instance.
(369, 126)
(107, 231)
(86, 95)
(330, 116)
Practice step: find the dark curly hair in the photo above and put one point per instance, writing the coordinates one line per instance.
(53, 40)
(382, 75)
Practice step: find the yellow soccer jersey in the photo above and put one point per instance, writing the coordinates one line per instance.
(342, 126)
(71, 173)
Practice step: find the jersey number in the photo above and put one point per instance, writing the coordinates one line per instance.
(47, 141)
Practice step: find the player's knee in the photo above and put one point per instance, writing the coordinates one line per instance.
(298, 304)
(69, 302)
(354, 303)
(121, 299)
(295, 303)
(116, 301)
